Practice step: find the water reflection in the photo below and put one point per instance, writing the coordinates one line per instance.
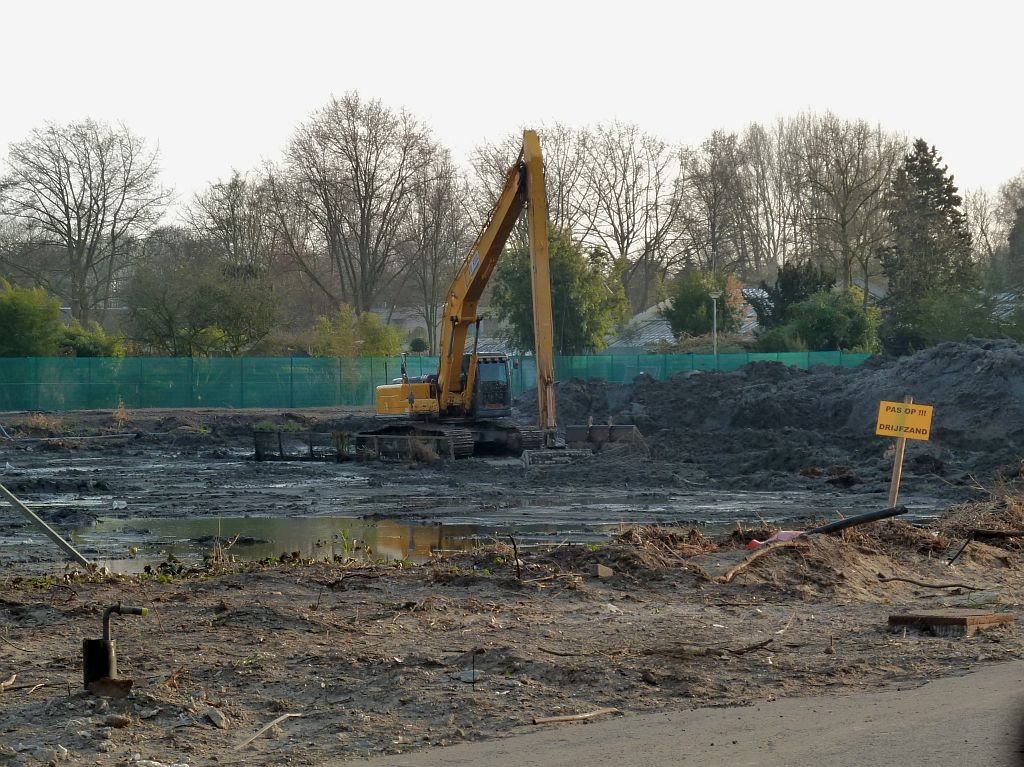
(312, 537)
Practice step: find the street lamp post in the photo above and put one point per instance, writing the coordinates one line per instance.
(715, 295)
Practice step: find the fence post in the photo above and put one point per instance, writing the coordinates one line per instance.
(37, 381)
(140, 379)
(241, 382)
(291, 382)
(191, 381)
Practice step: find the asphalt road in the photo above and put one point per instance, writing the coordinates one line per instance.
(975, 718)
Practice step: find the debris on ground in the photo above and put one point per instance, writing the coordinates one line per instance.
(463, 649)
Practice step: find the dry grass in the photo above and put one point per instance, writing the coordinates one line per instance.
(41, 424)
(663, 546)
(121, 415)
(218, 557)
(894, 536)
(1002, 511)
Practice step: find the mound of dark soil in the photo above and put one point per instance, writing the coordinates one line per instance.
(767, 417)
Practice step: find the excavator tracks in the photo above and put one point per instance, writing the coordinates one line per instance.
(530, 437)
(403, 440)
(415, 441)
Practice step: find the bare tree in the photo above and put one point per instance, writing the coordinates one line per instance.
(990, 219)
(565, 178)
(771, 184)
(712, 218)
(353, 167)
(300, 241)
(988, 234)
(83, 193)
(849, 166)
(631, 182)
(235, 215)
(439, 236)
(1009, 200)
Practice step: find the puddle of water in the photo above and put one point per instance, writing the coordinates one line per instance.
(77, 500)
(313, 537)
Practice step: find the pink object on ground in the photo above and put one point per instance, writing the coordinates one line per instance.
(782, 535)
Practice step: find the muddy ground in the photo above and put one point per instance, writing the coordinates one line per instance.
(374, 656)
(384, 659)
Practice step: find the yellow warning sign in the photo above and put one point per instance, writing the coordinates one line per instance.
(899, 419)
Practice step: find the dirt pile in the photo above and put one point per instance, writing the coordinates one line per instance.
(766, 416)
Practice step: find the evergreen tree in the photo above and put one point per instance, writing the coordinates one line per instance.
(930, 249)
(691, 309)
(794, 284)
(587, 296)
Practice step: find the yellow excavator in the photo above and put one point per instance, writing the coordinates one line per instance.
(466, 406)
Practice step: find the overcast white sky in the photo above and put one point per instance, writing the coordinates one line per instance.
(221, 85)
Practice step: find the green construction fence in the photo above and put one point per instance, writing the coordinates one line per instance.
(93, 383)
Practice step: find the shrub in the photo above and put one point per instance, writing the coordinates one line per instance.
(829, 319)
(692, 308)
(30, 320)
(79, 342)
(728, 343)
(783, 338)
(834, 319)
(348, 335)
(794, 284)
(940, 316)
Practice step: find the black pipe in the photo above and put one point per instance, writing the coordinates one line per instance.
(860, 519)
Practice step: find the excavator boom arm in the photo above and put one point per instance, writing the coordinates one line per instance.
(524, 187)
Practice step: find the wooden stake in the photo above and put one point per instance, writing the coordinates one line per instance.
(897, 467)
(574, 717)
(263, 729)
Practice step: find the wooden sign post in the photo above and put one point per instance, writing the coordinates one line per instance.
(903, 420)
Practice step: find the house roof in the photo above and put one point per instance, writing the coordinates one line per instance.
(643, 329)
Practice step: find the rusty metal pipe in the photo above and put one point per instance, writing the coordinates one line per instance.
(120, 610)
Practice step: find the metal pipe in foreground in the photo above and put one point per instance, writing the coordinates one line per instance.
(120, 610)
(52, 534)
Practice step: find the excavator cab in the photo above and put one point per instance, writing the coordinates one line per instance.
(493, 395)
